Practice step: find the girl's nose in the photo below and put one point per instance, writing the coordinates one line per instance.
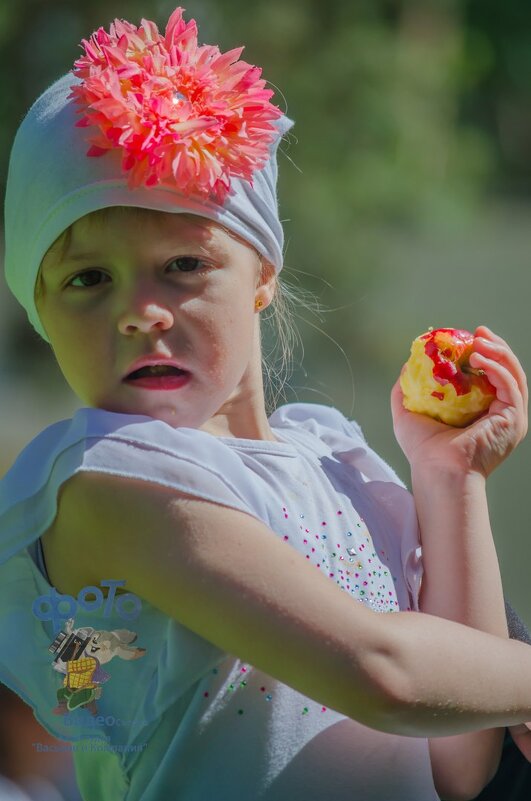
(152, 316)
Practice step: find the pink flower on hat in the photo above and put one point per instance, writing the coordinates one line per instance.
(182, 114)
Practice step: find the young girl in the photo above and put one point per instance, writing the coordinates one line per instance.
(206, 602)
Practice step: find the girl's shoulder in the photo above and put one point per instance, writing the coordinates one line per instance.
(96, 430)
(343, 436)
(317, 418)
(132, 446)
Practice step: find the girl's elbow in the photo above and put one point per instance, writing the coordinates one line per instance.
(393, 694)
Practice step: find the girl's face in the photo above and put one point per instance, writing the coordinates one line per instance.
(166, 286)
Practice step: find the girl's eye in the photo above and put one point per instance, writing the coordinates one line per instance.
(189, 264)
(88, 278)
(184, 264)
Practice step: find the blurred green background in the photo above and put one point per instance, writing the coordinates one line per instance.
(405, 190)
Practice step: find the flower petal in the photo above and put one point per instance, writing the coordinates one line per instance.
(179, 112)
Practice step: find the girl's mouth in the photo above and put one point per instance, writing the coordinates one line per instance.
(159, 376)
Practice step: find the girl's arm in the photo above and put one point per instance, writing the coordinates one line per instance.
(462, 582)
(228, 577)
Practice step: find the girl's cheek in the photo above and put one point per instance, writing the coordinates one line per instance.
(216, 367)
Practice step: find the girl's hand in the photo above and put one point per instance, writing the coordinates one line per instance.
(485, 443)
(521, 734)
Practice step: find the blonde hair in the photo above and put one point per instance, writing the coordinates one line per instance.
(278, 317)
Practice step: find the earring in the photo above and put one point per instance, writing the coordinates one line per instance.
(258, 304)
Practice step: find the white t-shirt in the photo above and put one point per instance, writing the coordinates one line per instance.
(185, 720)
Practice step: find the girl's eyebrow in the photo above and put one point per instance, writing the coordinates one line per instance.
(207, 248)
(55, 264)
(88, 256)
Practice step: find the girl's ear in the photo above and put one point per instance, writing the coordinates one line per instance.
(268, 283)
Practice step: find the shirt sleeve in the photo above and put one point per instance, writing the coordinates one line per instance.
(394, 517)
(133, 446)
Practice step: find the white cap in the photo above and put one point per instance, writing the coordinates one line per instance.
(52, 183)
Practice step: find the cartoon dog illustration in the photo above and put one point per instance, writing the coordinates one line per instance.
(80, 653)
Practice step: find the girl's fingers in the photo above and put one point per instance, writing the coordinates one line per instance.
(483, 331)
(486, 338)
(499, 351)
(507, 387)
(500, 354)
